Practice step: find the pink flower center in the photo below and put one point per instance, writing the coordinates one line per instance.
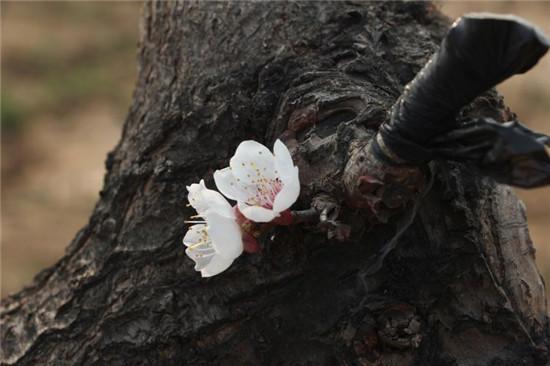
(266, 191)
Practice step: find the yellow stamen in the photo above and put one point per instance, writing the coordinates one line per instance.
(197, 244)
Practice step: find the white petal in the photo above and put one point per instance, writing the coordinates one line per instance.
(196, 187)
(204, 200)
(201, 259)
(283, 160)
(195, 196)
(217, 265)
(193, 234)
(216, 203)
(228, 186)
(225, 235)
(252, 161)
(290, 192)
(257, 213)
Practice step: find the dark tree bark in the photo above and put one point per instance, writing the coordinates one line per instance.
(460, 287)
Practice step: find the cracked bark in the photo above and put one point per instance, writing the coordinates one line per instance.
(460, 287)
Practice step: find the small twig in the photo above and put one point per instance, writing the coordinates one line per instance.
(310, 215)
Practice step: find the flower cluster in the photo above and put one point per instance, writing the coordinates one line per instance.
(263, 183)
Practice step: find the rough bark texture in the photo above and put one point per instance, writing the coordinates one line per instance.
(460, 288)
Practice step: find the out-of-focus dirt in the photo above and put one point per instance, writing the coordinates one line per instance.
(68, 69)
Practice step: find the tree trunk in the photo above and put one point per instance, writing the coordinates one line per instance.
(460, 287)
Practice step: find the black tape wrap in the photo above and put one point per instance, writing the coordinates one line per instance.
(479, 51)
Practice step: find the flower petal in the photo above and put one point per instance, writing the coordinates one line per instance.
(200, 248)
(289, 193)
(217, 265)
(225, 235)
(283, 160)
(252, 162)
(228, 186)
(193, 234)
(216, 203)
(256, 213)
(200, 258)
(195, 196)
(204, 200)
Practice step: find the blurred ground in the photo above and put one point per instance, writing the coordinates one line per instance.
(68, 70)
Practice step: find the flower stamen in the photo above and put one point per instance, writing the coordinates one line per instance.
(197, 244)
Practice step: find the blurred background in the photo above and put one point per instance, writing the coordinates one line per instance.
(67, 72)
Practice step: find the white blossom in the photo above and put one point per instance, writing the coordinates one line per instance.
(214, 242)
(264, 184)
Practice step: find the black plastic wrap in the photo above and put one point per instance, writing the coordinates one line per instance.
(509, 152)
(479, 51)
